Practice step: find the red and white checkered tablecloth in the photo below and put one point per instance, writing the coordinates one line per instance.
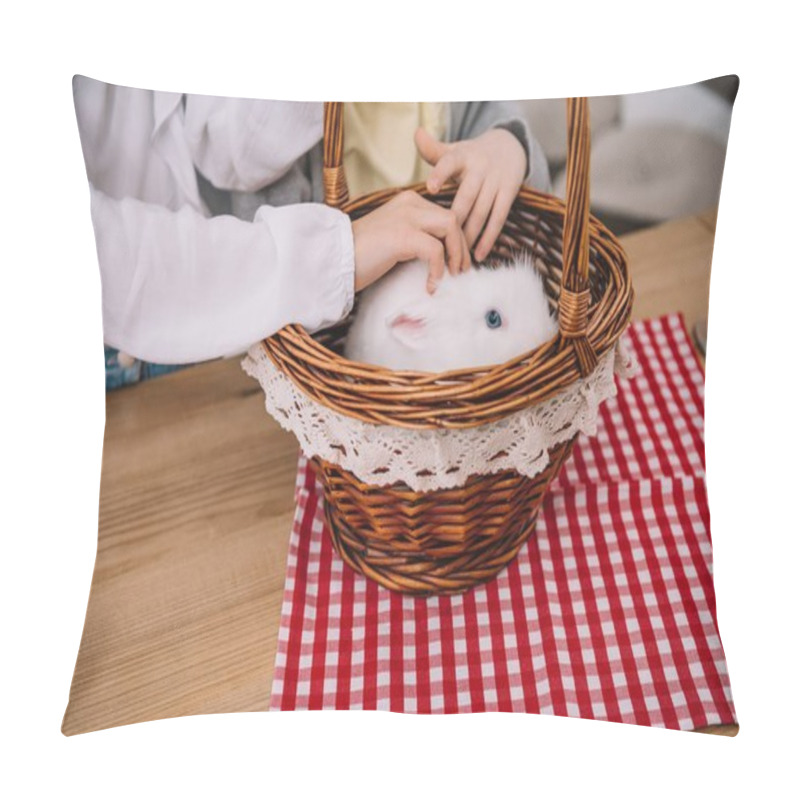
(607, 613)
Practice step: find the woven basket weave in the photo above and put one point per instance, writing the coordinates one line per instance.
(447, 540)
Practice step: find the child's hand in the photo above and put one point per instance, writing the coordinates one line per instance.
(489, 170)
(408, 227)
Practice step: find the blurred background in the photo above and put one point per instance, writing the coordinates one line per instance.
(656, 156)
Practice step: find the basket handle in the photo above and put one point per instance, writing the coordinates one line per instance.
(334, 181)
(573, 306)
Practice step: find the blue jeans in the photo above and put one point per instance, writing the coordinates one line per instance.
(118, 375)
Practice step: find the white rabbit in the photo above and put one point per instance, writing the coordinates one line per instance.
(481, 317)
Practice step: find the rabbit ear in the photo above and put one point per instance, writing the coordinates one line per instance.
(410, 328)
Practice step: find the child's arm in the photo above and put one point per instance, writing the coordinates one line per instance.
(179, 287)
(490, 163)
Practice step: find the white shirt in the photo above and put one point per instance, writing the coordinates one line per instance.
(179, 285)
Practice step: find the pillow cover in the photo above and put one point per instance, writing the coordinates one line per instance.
(217, 587)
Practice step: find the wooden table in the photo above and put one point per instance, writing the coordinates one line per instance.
(196, 506)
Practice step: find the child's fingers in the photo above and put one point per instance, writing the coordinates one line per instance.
(443, 224)
(464, 261)
(479, 214)
(465, 197)
(456, 251)
(429, 148)
(502, 205)
(430, 249)
(448, 166)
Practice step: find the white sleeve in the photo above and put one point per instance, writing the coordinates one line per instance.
(244, 145)
(179, 287)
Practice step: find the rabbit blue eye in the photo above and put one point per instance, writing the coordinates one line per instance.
(493, 319)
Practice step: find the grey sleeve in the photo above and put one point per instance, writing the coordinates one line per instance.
(468, 120)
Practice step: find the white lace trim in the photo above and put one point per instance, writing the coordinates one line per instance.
(438, 459)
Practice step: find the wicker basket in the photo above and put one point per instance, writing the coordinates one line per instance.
(445, 541)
